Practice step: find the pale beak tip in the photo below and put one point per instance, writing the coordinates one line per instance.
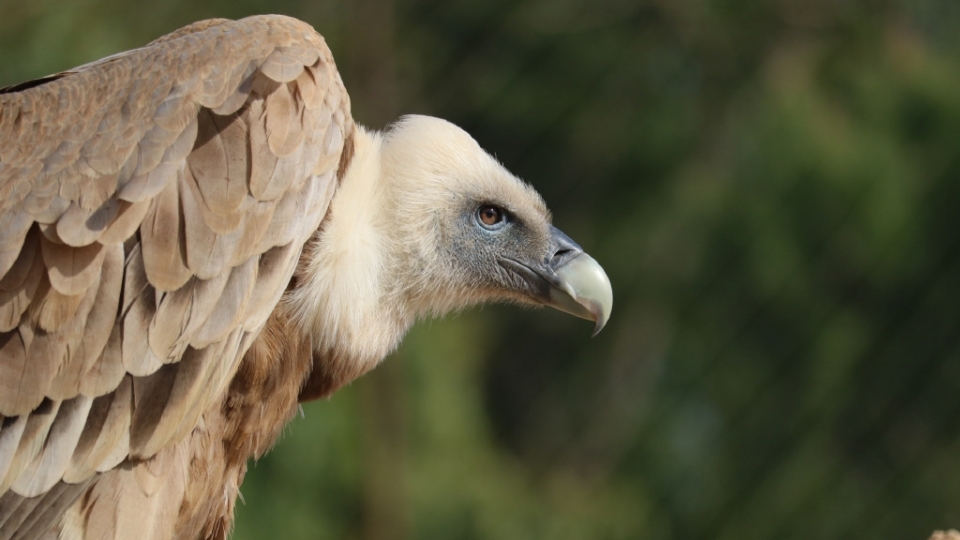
(596, 329)
(589, 287)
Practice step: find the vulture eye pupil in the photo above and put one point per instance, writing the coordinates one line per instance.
(490, 216)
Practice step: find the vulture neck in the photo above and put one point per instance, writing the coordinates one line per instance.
(345, 300)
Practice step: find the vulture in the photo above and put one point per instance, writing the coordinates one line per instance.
(195, 237)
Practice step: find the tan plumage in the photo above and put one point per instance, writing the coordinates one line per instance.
(194, 236)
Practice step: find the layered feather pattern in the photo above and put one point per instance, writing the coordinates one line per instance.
(153, 207)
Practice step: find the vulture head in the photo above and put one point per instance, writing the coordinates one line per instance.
(424, 223)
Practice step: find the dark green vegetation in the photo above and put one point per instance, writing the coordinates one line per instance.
(774, 190)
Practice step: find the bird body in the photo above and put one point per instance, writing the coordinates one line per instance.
(194, 238)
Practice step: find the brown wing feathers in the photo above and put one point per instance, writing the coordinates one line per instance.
(152, 208)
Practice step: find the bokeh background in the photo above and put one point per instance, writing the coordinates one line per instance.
(774, 189)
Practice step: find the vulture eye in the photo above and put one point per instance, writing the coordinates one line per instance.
(491, 217)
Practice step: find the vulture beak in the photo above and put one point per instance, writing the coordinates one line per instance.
(568, 280)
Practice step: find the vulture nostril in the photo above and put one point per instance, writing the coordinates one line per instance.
(565, 248)
(561, 256)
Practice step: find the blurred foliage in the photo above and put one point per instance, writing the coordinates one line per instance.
(773, 187)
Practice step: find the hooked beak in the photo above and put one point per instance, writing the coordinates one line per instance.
(569, 280)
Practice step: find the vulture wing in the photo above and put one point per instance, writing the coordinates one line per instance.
(153, 206)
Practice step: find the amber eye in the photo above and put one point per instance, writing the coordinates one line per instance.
(490, 216)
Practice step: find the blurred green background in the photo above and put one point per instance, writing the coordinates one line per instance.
(774, 190)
